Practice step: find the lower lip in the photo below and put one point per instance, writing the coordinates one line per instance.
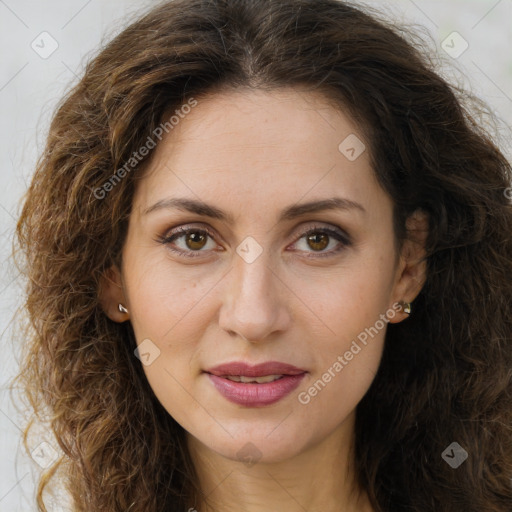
(253, 394)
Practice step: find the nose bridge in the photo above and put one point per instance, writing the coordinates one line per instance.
(252, 305)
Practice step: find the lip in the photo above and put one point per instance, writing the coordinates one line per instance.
(258, 370)
(253, 394)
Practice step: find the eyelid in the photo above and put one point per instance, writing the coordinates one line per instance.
(186, 228)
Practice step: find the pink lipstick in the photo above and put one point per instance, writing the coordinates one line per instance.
(255, 386)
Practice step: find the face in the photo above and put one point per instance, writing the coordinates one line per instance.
(255, 277)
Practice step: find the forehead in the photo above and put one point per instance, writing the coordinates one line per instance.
(253, 116)
(260, 147)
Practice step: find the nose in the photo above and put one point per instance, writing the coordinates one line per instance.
(256, 301)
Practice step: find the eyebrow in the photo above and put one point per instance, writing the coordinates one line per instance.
(289, 213)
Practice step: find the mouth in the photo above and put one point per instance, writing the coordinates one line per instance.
(270, 369)
(255, 386)
(257, 380)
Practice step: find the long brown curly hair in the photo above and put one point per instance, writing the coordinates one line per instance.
(445, 374)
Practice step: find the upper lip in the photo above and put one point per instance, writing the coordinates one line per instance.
(259, 370)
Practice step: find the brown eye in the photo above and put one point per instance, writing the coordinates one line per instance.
(189, 242)
(318, 241)
(195, 240)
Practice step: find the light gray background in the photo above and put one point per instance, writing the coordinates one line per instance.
(30, 86)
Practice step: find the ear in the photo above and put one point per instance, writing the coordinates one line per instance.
(111, 294)
(411, 271)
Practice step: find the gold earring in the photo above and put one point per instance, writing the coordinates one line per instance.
(122, 308)
(406, 307)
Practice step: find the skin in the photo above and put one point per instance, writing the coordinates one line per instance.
(252, 154)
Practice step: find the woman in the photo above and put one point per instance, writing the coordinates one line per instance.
(268, 253)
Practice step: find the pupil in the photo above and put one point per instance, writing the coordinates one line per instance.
(318, 239)
(196, 238)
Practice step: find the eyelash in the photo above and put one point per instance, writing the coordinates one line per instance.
(181, 231)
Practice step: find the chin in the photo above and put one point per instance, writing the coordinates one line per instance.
(258, 444)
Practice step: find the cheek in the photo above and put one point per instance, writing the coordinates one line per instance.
(168, 308)
(350, 344)
(348, 355)
(328, 399)
(166, 299)
(349, 300)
